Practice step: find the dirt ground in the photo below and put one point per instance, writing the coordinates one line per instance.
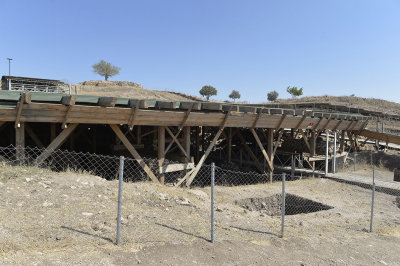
(69, 218)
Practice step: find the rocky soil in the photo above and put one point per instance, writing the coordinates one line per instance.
(69, 218)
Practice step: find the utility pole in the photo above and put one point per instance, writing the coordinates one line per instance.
(9, 65)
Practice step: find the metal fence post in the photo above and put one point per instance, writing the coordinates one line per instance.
(293, 165)
(334, 153)
(283, 204)
(212, 200)
(326, 153)
(355, 161)
(121, 178)
(373, 194)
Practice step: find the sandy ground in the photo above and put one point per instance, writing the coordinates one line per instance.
(70, 218)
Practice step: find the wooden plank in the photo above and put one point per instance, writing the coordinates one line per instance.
(55, 144)
(64, 123)
(279, 125)
(191, 176)
(256, 120)
(133, 151)
(227, 107)
(33, 136)
(176, 167)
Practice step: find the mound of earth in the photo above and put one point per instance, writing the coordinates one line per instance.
(126, 89)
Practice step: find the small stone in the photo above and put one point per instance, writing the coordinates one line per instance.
(72, 187)
(130, 217)
(58, 238)
(218, 209)
(27, 179)
(87, 213)
(46, 204)
(162, 196)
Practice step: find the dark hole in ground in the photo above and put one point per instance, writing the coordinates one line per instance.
(273, 205)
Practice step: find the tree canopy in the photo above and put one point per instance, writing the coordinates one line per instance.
(105, 69)
(234, 95)
(208, 91)
(294, 91)
(272, 96)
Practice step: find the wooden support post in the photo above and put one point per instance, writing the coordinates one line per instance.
(267, 155)
(33, 136)
(133, 151)
(186, 138)
(52, 131)
(20, 142)
(55, 144)
(277, 141)
(25, 98)
(161, 152)
(341, 145)
(313, 145)
(229, 145)
(270, 145)
(139, 135)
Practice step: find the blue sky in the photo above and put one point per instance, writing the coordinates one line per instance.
(328, 47)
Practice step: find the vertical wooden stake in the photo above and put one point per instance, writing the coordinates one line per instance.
(161, 151)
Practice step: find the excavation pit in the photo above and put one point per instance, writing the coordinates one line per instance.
(273, 205)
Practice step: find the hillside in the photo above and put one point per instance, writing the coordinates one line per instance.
(126, 89)
(350, 101)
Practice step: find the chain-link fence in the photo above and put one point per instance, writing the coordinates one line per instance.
(243, 205)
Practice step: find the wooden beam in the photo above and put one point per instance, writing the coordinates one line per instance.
(33, 136)
(135, 111)
(176, 141)
(180, 127)
(186, 139)
(176, 167)
(161, 152)
(305, 138)
(68, 101)
(229, 138)
(270, 144)
(19, 107)
(337, 125)
(20, 141)
(341, 147)
(133, 151)
(300, 122)
(317, 124)
(277, 142)
(257, 118)
(251, 153)
(55, 144)
(191, 176)
(281, 121)
(266, 156)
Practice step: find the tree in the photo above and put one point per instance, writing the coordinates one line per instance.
(207, 91)
(294, 91)
(272, 96)
(234, 95)
(105, 69)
